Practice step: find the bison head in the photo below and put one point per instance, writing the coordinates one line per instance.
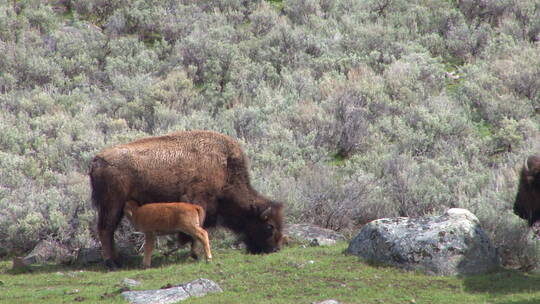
(527, 204)
(264, 229)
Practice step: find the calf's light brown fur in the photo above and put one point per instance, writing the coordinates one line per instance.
(167, 218)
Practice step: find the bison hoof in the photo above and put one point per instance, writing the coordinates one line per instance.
(112, 264)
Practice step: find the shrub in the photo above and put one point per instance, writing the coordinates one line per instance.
(263, 19)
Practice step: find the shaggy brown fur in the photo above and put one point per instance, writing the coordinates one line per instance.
(527, 204)
(157, 219)
(202, 167)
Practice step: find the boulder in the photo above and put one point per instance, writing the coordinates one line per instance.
(89, 256)
(196, 288)
(450, 244)
(48, 251)
(314, 235)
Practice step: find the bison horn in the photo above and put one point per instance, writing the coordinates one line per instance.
(266, 213)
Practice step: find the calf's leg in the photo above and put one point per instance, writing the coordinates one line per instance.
(202, 236)
(149, 241)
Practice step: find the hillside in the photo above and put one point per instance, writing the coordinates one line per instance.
(349, 110)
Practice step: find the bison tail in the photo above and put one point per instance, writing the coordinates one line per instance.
(99, 187)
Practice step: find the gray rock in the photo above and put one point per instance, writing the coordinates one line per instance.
(326, 302)
(314, 235)
(130, 282)
(201, 287)
(48, 251)
(451, 244)
(89, 256)
(157, 296)
(196, 288)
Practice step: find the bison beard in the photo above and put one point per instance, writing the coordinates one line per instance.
(527, 204)
(202, 167)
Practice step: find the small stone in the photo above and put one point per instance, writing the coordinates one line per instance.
(322, 242)
(130, 282)
(330, 301)
(73, 274)
(313, 235)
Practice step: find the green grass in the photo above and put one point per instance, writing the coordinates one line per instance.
(284, 277)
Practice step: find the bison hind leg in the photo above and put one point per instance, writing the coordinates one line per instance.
(108, 221)
(110, 256)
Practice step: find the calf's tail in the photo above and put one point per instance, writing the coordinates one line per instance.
(202, 214)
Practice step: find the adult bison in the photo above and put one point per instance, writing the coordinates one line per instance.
(527, 204)
(201, 167)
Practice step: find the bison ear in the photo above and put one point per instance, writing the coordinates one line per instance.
(266, 214)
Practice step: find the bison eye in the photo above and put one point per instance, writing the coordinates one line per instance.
(269, 227)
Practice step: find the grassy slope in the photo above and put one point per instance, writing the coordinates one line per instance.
(285, 277)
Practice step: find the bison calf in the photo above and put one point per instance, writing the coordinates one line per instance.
(166, 218)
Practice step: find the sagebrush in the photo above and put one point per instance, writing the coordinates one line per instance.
(348, 110)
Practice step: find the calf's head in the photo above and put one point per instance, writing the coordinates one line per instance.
(264, 229)
(130, 208)
(527, 203)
